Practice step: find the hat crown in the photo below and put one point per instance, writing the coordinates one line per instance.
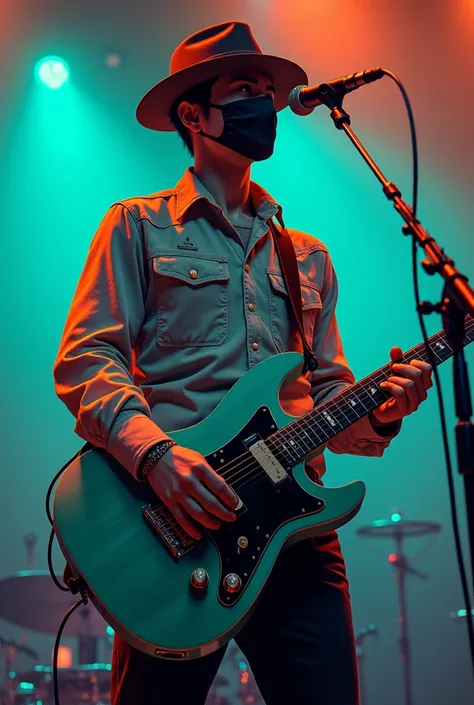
(224, 38)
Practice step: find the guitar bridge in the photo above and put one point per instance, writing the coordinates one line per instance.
(176, 540)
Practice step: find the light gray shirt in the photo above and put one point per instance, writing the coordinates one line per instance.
(170, 311)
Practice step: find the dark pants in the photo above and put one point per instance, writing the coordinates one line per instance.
(299, 642)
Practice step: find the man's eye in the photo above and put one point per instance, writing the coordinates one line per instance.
(246, 87)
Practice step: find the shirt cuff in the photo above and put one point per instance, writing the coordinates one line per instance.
(385, 432)
(131, 437)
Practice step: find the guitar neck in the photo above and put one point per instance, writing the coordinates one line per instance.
(299, 438)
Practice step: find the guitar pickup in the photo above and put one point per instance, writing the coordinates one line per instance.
(268, 462)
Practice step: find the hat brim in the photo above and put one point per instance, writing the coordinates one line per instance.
(153, 109)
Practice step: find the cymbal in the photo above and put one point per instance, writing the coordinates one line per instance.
(460, 614)
(21, 648)
(30, 599)
(403, 528)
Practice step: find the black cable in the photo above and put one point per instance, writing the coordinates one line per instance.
(74, 607)
(58, 475)
(442, 414)
(49, 491)
(50, 564)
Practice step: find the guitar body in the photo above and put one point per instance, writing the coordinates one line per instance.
(123, 551)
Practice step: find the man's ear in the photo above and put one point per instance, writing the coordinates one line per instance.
(190, 115)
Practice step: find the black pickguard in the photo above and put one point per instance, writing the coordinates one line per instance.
(266, 507)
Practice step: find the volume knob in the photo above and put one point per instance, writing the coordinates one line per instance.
(199, 578)
(232, 582)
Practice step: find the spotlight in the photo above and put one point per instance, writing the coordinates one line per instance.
(52, 71)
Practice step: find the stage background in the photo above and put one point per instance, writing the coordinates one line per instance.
(67, 155)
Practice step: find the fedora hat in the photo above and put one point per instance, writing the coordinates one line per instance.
(223, 48)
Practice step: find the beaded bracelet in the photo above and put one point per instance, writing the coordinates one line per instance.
(152, 458)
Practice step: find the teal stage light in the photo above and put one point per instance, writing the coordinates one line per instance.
(52, 71)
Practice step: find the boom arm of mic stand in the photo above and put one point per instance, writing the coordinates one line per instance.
(460, 300)
(456, 285)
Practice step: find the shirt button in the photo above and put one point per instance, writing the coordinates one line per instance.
(251, 307)
(247, 268)
(255, 346)
(193, 274)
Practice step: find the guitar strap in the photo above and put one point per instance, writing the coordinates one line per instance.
(289, 267)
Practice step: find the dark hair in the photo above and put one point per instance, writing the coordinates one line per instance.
(200, 94)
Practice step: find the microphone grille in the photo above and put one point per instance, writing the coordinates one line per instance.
(295, 104)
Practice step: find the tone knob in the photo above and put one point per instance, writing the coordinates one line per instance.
(199, 578)
(232, 582)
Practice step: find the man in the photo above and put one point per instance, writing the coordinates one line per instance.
(181, 294)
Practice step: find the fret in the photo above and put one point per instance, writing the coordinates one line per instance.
(304, 438)
(316, 427)
(331, 420)
(292, 455)
(288, 453)
(293, 442)
(364, 399)
(356, 406)
(351, 415)
(436, 354)
(364, 396)
(339, 411)
(315, 430)
(442, 349)
(321, 423)
(419, 355)
(296, 442)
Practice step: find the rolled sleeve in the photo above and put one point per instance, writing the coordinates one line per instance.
(92, 370)
(362, 439)
(333, 375)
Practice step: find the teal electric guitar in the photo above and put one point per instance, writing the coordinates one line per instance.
(177, 598)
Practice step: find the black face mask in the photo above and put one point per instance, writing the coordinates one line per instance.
(249, 127)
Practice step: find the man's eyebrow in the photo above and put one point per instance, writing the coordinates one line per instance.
(250, 79)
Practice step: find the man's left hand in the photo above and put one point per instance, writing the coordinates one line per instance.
(408, 386)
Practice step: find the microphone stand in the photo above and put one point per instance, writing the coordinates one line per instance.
(457, 300)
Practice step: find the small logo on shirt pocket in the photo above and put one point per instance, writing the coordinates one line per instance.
(188, 245)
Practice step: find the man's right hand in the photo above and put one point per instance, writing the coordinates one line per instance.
(190, 488)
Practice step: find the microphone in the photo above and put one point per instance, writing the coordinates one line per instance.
(304, 99)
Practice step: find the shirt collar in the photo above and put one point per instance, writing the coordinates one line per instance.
(189, 190)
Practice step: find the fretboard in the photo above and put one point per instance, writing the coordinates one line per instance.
(299, 438)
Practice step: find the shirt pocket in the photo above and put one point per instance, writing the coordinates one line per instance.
(282, 319)
(192, 299)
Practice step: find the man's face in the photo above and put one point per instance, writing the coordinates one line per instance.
(227, 89)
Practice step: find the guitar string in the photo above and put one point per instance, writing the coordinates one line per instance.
(237, 478)
(261, 476)
(331, 405)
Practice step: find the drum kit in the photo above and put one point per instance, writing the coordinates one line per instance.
(397, 529)
(30, 600)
